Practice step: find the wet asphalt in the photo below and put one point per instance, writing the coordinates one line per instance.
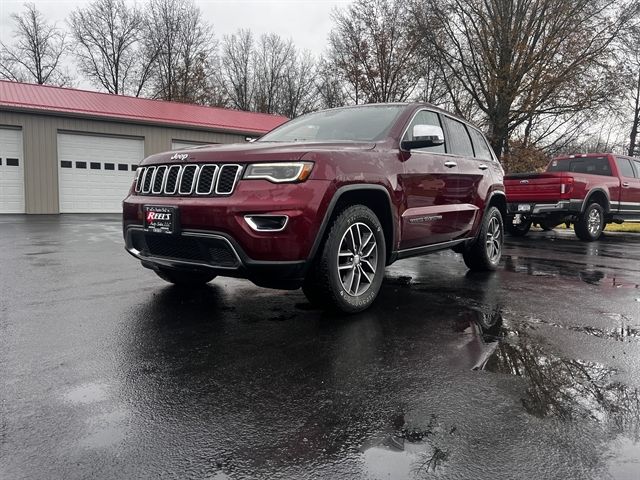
(107, 372)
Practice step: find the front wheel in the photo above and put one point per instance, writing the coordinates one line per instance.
(348, 272)
(184, 278)
(590, 225)
(485, 252)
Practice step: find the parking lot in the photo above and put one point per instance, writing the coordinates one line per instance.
(108, 372)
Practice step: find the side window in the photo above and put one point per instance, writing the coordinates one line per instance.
(624, 167)
(480, 145)
(458, 139)
(637, 165)
(424, 117)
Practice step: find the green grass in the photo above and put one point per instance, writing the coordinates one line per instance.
(614, 227)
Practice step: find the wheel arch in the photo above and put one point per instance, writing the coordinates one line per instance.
(497, 199)
(597, 195)
(375, 197)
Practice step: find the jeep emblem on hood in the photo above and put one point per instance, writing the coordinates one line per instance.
(179, 156)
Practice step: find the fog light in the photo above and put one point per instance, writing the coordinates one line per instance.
(267, 223)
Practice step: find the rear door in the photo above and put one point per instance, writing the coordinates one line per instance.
(430, 185)
(629, 171)
(473, 176)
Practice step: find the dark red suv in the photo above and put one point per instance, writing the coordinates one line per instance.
(323, 202)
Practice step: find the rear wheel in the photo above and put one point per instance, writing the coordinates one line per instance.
(485, 252)
(185, 278)
(518, 229)
(348, 272)
(590, 225)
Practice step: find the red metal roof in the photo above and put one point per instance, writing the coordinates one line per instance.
(27, 96)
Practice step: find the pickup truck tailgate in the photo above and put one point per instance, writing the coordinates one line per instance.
(537, 187)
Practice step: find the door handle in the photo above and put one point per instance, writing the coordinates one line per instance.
(450, 164)
(482, 166)
(625, 185)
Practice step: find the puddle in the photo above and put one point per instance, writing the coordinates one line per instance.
(624, 461)
(87, 393)
(623, 332)
(552, 268)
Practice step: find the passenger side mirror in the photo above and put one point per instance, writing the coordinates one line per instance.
(424, 136)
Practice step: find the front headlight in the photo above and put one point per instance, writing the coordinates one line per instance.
(279, 172)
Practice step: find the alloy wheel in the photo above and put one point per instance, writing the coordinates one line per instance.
(593, 222)
(357, 259)
(494, 240)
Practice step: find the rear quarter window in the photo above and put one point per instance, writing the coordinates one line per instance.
(480, 145)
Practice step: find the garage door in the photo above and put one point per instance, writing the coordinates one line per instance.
(11, 171)
(181, 145)
(96, 172)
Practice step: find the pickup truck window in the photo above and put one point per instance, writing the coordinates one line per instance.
(424, 117)
(637, 164)
(458, 139)
(365, 124)
(480, 145)
(624, 167)
(591, 165)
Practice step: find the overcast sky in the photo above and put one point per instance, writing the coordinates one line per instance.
(306, 22)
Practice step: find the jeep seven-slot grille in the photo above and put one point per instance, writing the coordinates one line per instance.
(209, 179)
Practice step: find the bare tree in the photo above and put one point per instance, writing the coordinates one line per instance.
(182, 45)
(372, 49)
(299, 95)
(272, 58)
(519, 59)
(329, 85)
(107, 36)
(36, 56)
(237, 76)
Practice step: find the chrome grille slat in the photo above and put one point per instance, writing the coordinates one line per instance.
(227, 179)
(188, 179)
(173, 175)
(158, 180)
(192, 179)
(148, 179)
(206, 179)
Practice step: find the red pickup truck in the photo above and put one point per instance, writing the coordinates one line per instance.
(588, 190)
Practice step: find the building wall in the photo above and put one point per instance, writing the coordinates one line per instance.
(40, 154)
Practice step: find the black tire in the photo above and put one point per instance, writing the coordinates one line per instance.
(184, 278)
(590, 224)
(486, 250)
(354, 285)
(519, 230)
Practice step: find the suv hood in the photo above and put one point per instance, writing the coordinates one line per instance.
(255, 151)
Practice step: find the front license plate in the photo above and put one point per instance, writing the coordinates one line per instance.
(159, 219)
(524, 207)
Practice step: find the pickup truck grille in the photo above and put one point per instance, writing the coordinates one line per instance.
(207, 179)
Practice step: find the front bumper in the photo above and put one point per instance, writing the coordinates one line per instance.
(212, 252)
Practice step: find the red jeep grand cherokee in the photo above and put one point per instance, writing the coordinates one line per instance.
(323, 202)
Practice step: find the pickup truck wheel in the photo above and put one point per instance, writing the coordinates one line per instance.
(520, 229)
(183, 278)
(485, 252)
(348, 273)
(590, 225)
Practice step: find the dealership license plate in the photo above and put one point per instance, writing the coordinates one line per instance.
(160, 219)
(524, 207)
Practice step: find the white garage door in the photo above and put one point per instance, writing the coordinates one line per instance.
(11, 171)
(95, 172)
(182, 145)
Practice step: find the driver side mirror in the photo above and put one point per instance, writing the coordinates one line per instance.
(424, 136)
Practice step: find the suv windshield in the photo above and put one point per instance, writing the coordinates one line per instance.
(592, 165)
(367, 124)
